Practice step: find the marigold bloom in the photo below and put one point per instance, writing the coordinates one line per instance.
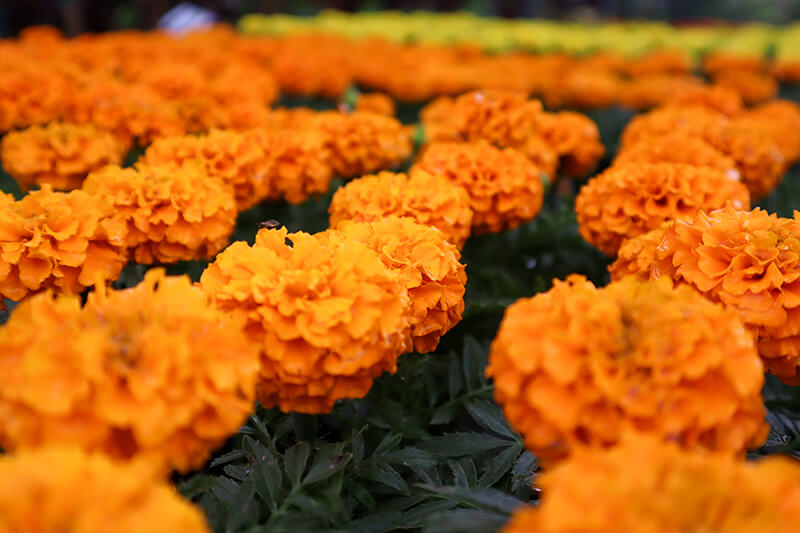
(646, 92)
(55, 240)
(695, 120)
(152, 372)
(430, 265)
(677, 148)
(720, 99)
(379, 103)
(30, 96)
(329, 315)
(65, 489)
(579, 366)
(362, 143)
(719, 62)
(649, 486)
(165, 214)
(776, 120)
(628, 200)
(505, 187)
(299, 162)
(60, 155)
(426, 198)
(502, 118)
(233, 157)
(582, 87)
(745, 260)
(576, 140)
(295, 118)
(752, 87)
(659, 61)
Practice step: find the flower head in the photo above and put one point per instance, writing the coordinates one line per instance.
(576, 140)
(714, 97)
(66, 489)
(152, 372)
(165, 214)
(645, 92)
(426, 198)
(646, 485)
(55, 240)
(631, 199)
(299, 162)
(504, 186)
(362, 142)
(379, 103)
(752, 87)
(692, 120)
(60, 155)
(329, 315)
(579, 366)
(430, 266)
(235, 158)
(677, 148)
(748, 261)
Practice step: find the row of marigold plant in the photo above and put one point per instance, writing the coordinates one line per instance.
(159, 375)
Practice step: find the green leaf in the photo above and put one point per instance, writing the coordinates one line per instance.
(455, 383)
(415, 517)
(411, 457)
(328, 461)
(484, 499)
(386, 475)
(460, 444)
(490, 417)
(295, 459)
(389, 442)
(242, 509)
(521, 475)
(499, 465)
(377, 523)
(230, 457)
(444, 414)
(465, 521)
(267, 472)
(475, 360)
(358, 448)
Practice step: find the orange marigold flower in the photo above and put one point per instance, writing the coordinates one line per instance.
(132, 112)
(758, 154)
(787, 70)
(66, 489)
(30, 95)
(718, 62)
(678, 148)
(60, 155)
(628, 200)
(659, 61)
(576, 140)
(581, 87)
(502, 118)
(694, 120)
(427, 198)
(645, 92)
(752, 87)
(776, 120)
(165, 214)
(329, 315)
(579, 367)
(745, 260)
(379, 103)
(430, 266)
(541, 153)
(363, 143)
(55, 240)
(505, 187)
(714, 97)
(295, 118)
(233, 157)
(152, 372)
(299, 162)
(646, 485)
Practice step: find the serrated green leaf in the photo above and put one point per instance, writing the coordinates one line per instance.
(499, 465)
(267, 471)
(485, 499)
(241, 507)
(326, 463)
(465, 521)
(461, 444)
(521, 474)
(386, 475)
(459, 475)
(389, 442)
(308, 504)
(237, 472)
(230, 457)
(474, 362)
(358, 448)
(444, 415)
(360, 493)
(377, 523)
(411, 457)
(196, 485)
(415, 517)
(295, 459)
(489, 416)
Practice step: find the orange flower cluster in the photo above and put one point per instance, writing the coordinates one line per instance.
(363, 142)
(749, 261)
(505, 187)
(628, 200)
(649, 91)
(579, 367)
(328, 314)
(59, 155)
(235, 158)
(426, 198)
(152, 372)
(55, 240)
(29, 95)
(165, 214)
(678, 148)
(65, 489)
(508, 119)
(299, 162)
(430, 267)
(713, 97)
(650, 486)
(760, 141)
(379, 103)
